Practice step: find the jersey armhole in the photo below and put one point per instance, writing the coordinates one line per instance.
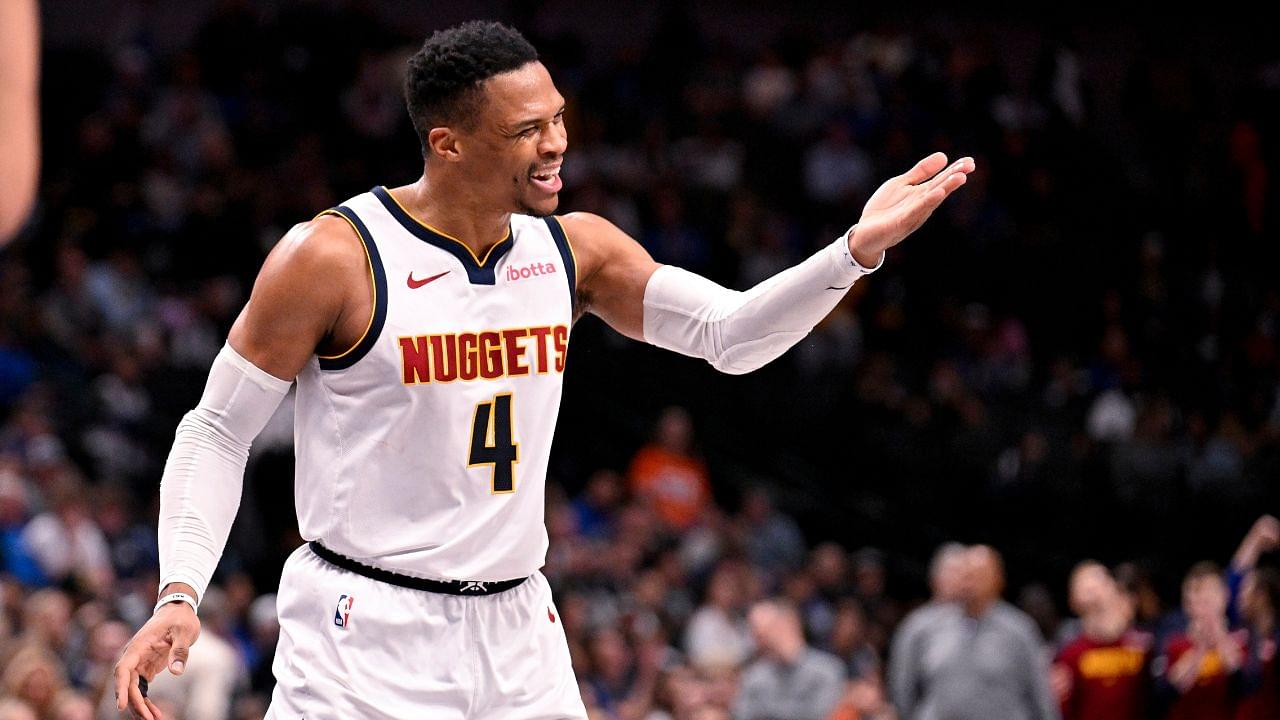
(378, 279)
(570, 260)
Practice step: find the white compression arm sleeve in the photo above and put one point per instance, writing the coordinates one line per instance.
(738, 332)
(200, 490)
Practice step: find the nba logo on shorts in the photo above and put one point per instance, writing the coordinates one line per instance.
(343, 614)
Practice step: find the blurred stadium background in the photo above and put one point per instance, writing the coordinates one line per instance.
(1077, 357)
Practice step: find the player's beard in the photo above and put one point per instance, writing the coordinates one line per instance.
(524, 208)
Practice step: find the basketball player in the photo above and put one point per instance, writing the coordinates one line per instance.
(426, 327)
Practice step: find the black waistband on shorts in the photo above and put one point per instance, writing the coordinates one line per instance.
(447, 587)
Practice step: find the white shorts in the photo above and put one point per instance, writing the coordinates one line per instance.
(356, 648)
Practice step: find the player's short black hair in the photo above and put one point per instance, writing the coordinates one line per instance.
(442, 85)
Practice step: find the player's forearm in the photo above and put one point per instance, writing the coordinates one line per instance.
(738, 332)
(199, 497)
(200, 490)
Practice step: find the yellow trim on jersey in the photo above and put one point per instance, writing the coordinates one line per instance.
(373, 288)
(443, 234)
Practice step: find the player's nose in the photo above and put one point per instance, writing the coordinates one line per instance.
(555, 141)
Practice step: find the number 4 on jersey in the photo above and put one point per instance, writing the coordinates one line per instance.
(491, 442)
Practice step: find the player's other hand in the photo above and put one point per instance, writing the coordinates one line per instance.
(164, 642)
(903, 204)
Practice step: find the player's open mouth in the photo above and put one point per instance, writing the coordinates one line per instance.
(548, 180)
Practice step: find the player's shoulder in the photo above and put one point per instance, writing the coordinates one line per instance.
(324, 248)
(589, 224)
(327, 242)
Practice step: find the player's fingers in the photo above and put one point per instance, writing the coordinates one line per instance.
(137, 703)
(928, 203)
(155, 711)
(953, 183)
(932, 196)
(925, 169)
(962, 166)
(123, 672)
(178, 651)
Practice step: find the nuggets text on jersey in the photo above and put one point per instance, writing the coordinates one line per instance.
(485, 355)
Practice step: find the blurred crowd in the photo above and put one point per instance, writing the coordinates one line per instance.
(1077, 357)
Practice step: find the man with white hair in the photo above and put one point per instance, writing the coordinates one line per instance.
(978, 658)
(946, 572)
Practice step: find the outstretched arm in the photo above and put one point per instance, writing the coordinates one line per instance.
(738, 332)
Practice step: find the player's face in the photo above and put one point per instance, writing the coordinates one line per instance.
(522, 140)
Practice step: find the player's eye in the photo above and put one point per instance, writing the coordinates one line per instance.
(528, 132)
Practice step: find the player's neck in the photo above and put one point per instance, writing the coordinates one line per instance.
(457, 215)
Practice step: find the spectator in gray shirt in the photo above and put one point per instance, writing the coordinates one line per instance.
(790, 680)
(946, 580)
(976, 659)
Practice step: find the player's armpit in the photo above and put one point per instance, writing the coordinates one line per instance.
(313, 291)
(613, 270)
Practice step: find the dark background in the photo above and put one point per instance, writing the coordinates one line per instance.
(1113, 257)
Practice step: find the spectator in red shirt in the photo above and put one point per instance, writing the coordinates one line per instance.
(1101, 674)
(665, 474)
(1201, 670)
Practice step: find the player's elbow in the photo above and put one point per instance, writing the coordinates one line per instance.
(202, 428)
(742, 358)
(735, 368)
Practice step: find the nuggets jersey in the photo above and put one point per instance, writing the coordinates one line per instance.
(423, 449)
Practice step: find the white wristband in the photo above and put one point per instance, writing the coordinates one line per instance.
(175, 597)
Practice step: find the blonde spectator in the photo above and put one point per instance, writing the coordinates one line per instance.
(717, 635)
(46, 620)
(34, 676)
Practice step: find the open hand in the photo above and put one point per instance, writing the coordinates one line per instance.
(903, 203)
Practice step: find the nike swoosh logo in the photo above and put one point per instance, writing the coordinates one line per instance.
(846, 287)
(415, 284)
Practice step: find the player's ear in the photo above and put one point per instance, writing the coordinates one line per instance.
(443, 143)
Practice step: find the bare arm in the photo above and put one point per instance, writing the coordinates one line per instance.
(19, 111)
(614, 270)
(312, 293)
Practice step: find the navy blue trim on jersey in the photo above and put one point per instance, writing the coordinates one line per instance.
(479, 271)
(566, 254)
(362, 348)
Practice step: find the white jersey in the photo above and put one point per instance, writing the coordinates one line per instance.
(423, 449)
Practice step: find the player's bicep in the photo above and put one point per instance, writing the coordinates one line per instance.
(296, 299)
(615, 270)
